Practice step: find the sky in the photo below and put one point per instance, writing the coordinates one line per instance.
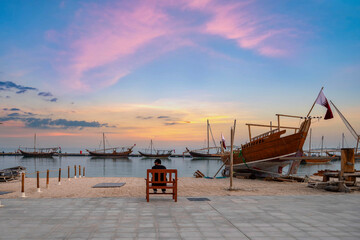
(141, 70)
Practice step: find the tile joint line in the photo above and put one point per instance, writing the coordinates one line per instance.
(228, 220)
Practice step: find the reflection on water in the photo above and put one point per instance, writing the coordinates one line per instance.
(134, 166)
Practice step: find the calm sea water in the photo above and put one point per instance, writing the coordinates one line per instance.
(134, 166)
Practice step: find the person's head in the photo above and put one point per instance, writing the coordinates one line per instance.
(157, 162)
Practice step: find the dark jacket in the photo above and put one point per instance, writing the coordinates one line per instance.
(156, 177)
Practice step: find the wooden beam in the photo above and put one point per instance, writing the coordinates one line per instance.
(262, 125)
(278, 122)
(249, 132)
(284, 115)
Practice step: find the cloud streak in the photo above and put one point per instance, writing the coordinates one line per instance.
(6, 86)
(121, 33)
(19, 89)
(48, 123)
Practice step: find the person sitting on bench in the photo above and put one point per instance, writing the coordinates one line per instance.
(158, 165)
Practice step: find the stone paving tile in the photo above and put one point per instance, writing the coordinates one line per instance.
(236, 217)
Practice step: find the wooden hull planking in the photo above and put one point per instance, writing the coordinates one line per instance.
(266, 153)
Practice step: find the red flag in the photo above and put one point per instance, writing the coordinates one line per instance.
(321, 99)
(223, 141)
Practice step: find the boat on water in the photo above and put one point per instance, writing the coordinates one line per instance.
(313, 159)
(151, 152)
(111, 152)
(38, 152)
(208, 152)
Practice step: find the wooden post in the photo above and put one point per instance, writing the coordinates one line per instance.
(231, 158)
(69, 173)
(47, 178)
(278, 122)
(23, 185)
(38, 181)
(347, 164)
(75, 171)
(79, 171)
(59, 176)
(310, 143)
(83, 171)
(208, 140)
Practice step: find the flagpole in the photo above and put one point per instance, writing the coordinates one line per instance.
(314, 102)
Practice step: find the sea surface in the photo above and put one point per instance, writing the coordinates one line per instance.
(134, 166)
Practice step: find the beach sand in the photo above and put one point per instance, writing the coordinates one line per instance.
(135, 187)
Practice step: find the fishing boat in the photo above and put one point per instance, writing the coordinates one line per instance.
(38, 152)
(264, 153)
(111, 152)
(208, 152)
(315, 159)
(151, 152)
(268, 153)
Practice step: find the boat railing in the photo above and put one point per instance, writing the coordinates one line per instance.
(260, 138)
(114, 149)
(263, 135)
(40, 150)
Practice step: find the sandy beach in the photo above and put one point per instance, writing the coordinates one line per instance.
(135, 187)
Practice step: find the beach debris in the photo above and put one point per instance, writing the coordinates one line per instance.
(9, 174)
(198, 174)
(287, 179)
(108, 185)
(346, 177)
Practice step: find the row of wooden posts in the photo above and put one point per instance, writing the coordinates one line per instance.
(47, 178)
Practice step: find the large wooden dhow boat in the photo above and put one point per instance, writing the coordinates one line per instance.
(38, 152)
(208, 152)
(151, 152)
(266, 154)
(111, 152)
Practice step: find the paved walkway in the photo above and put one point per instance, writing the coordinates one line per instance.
(256, 217)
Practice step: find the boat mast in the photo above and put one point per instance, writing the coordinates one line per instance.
(322, 145)
(343, 136)
(104, 141)
(151, 146)
(208, 144)
(310, 143)
(35, 142)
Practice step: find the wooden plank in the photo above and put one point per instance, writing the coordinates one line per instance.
(265, 125)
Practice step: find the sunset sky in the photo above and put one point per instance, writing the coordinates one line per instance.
(141, 70)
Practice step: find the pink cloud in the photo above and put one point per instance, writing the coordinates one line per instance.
(247, 25)
(107, 42)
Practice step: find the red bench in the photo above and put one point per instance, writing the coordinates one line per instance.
(170, 179)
